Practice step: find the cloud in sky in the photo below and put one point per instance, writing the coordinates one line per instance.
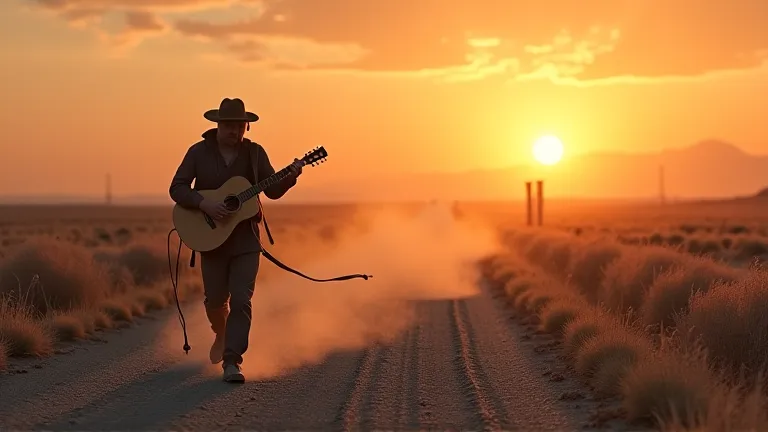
(563, 41)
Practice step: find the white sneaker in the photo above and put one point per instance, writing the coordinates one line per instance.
(233, 374)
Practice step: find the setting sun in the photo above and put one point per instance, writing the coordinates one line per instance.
(548, 150)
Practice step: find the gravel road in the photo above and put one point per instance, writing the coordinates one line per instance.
(461, 365)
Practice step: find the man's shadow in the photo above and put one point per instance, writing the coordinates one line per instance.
(148, 403)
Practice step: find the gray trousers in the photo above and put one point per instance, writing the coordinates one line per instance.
(229, 281)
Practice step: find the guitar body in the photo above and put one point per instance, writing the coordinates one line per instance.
(201, 233)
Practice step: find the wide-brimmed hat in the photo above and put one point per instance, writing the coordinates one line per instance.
(231, 110)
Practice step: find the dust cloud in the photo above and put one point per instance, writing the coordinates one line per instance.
(416, 257)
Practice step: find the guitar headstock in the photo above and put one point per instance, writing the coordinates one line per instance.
(315, 157)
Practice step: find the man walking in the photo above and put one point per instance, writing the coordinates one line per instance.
(229, 272)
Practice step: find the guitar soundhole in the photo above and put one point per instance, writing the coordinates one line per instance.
(232, 203)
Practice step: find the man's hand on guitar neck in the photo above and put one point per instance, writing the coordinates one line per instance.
(216, 210)
(295, 167)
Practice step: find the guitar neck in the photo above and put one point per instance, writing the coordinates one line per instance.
(267, 182)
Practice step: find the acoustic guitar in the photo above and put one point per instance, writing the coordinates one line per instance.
(201, 232)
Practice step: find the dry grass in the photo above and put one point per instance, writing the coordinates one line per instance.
(731, 321)
(613, 343)
(673, 314)
(587, 324)
(59, 291)
(152, 299)
(628, 278)
(670, 292)
(588, 264)
(515, 288)
(718, 237)
(3, 355)
(67, 327)
(691, 375)
(93, 319)
(118, 310)
(24, 333)
(669, 387)
(557, 315)
(54, 274)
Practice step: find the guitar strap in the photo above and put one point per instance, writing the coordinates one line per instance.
(254, 164)
(268, 255)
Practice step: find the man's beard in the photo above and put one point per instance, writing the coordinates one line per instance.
(232, 140)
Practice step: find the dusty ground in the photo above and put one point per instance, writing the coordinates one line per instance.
(463, 364)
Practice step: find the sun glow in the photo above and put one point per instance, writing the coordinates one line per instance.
(548, 150)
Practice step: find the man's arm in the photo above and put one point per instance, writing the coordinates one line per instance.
(277, 190)
(181, 186)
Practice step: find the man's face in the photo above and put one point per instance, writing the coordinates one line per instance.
(230, 133)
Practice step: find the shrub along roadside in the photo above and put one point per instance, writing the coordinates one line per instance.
(703, 301)
(53, 291)
(668, 383)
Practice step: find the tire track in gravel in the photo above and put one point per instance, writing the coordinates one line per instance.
(351, 413)
(475, 380)
(442, 401)
(515, 375)
(392, 400)
(409, 410)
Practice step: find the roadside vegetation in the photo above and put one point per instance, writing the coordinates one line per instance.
(679, 338)
(54, 291)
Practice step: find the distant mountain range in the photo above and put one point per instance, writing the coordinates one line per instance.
(707, 169)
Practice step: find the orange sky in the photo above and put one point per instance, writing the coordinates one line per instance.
(96, 86)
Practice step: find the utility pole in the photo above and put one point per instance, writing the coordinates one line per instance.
(529, 202)
(540, 201)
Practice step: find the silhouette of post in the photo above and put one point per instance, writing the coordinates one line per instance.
(529, 202)
(540, 200)
(108, 190)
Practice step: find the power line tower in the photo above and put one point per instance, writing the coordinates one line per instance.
(108, 189)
